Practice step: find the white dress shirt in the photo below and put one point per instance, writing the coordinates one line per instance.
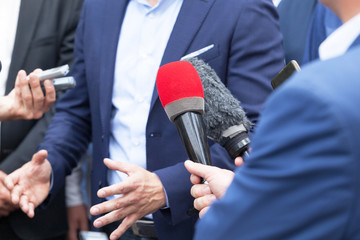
(143, 38)
(341, 39)
(9, 14)
(276, 2)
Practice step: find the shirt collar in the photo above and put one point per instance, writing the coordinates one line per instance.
(341, 39)
(146, 4)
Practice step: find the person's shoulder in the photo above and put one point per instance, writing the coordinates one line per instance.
(335, 68)
(334, 81)
(286, 4)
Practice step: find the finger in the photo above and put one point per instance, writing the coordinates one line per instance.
(195, 179)
(110, 217)
(19, 82)
(38, 95)
(109, 206)
(21, 79)
(39, 157)
(204, 201)
(16, 194)
(11, 180)
(125, 224)
(50, 95)
(26, 94)
(200, 190)
(199, 169)
(26, 206)
(31, 212)
(120, 166)
(239, 161)
(24, 203)
(203, 211)
(37, 71)
(115, 189)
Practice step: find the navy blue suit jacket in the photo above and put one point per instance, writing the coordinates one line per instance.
(247, 54)
(302, 179)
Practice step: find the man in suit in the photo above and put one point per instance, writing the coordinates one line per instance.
(35, 34)
(302, 179)
(117, 105)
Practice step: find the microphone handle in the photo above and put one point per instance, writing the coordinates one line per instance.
(191, 130)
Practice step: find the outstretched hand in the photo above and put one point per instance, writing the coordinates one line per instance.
(30, 184)
(142, 194)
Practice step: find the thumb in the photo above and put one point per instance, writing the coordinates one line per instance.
(39, 157)
(198, 169)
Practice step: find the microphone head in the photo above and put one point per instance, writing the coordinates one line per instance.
(180, 89)
(223, 115)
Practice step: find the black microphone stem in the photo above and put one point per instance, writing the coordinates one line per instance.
(193, 137)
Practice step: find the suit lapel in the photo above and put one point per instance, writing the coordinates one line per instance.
(113, 17)
(24, 34)
(189, 21)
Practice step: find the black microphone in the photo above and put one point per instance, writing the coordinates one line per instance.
(225, 120)
(182, 96)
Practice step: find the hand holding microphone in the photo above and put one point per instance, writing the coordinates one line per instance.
(182, 96)
(26, 100)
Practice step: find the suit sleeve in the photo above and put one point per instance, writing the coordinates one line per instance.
(69, 132)
(295, 184)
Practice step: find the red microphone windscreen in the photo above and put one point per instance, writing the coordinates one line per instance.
(178, 80)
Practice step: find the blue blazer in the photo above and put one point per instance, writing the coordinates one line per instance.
(245, 56)
(302, 179)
